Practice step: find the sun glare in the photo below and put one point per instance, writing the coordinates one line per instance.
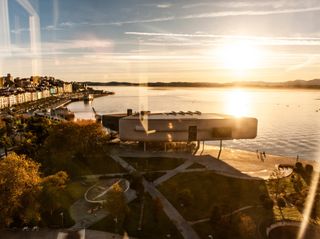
(239, 56)
(237, 103)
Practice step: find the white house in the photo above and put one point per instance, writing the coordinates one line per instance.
(185, 126)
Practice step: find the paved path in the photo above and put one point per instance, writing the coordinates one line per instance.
(182, 225)
(79, 212)
(58, 234)
(226, 215)
(174, 172)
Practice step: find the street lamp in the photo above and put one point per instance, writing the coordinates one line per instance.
(61, 214)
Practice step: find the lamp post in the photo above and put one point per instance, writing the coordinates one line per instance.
(61, 214)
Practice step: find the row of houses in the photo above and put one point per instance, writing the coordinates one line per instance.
(14, 96)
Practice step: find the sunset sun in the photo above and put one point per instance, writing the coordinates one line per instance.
(239, 56)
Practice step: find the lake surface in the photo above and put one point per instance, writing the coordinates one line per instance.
(288, 121)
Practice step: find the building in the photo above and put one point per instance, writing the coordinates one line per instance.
(67, 87)
(45, 93)
(2, 81)
(185, 127)
(4, 101)
(20, 97)
(27, 96)
(34, 95)
(12, 100)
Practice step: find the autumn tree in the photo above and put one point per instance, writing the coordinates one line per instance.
(116, 204)
(276, 182)
(52, 187)
(72, 147)
(246, 226)
(20, 184)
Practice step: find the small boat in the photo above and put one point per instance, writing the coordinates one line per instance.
(88, 97)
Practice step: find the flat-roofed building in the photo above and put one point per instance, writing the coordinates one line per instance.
(4, 101)
(12, 100)
(27, 96)
(20, 97)
(67, 87)
(185, 127)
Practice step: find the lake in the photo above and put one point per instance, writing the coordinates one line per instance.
(288, 119)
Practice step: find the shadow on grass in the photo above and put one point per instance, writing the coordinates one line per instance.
(154, 225)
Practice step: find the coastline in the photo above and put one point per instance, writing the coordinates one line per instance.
(248, 162)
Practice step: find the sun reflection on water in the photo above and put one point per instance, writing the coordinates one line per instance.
(237, 103)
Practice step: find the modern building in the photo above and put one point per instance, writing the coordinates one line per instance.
(185, 127)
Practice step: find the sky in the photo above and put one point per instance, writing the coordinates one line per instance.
(147, 41)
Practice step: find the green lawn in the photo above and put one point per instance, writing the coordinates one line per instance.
(258, 215)
(209, 189)
(196, 166)
(154, 163)
(73, 191)
(150, 227)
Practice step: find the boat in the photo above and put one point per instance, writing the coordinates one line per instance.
(88, 97)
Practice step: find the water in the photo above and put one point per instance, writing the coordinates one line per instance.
(288, 121)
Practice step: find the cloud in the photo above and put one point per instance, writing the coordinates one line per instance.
(292, 41)
(216, 14)
(249, 13)
(242, 4)
(167, 5)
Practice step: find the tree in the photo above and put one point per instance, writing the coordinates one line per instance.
(246, 226)
(19, 185)
(157, 208)
(185, 197)
(281, 204)
(216, 215)
(276, 181)
(52, 187)
(72, 147)
(116, 204)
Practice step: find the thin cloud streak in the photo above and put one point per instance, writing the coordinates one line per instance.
(249, 13)
(304, 41)
(217, 14)
(239, 4)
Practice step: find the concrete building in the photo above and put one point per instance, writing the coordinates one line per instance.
(4, 101)
(67, 87)
(12, 100)
(2, 81)
(27, 96)
(34, 95)
(185, 127)
(20, 97)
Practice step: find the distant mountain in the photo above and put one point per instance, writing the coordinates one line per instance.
(315, 83)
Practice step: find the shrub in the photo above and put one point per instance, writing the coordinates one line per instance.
(185, 197)
(309, 169)
(281, 202)
(268, 203)
(299, 167)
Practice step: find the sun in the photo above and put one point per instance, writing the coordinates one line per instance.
(239, 55)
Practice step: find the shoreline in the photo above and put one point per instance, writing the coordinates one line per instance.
(248, 162)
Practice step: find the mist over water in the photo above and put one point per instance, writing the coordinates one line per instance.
(288, 121)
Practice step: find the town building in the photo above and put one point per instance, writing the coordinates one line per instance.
(185, 126)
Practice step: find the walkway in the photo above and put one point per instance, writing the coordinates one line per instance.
(226, 215)
(182, 225)
(58, 234)
(79, 212)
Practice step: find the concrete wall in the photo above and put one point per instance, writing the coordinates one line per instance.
(178, 130)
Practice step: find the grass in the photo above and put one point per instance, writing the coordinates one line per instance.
(150, 227)
(196, 166)
(209, 189)
(154, 163)
(258, 216)
(73, 191)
